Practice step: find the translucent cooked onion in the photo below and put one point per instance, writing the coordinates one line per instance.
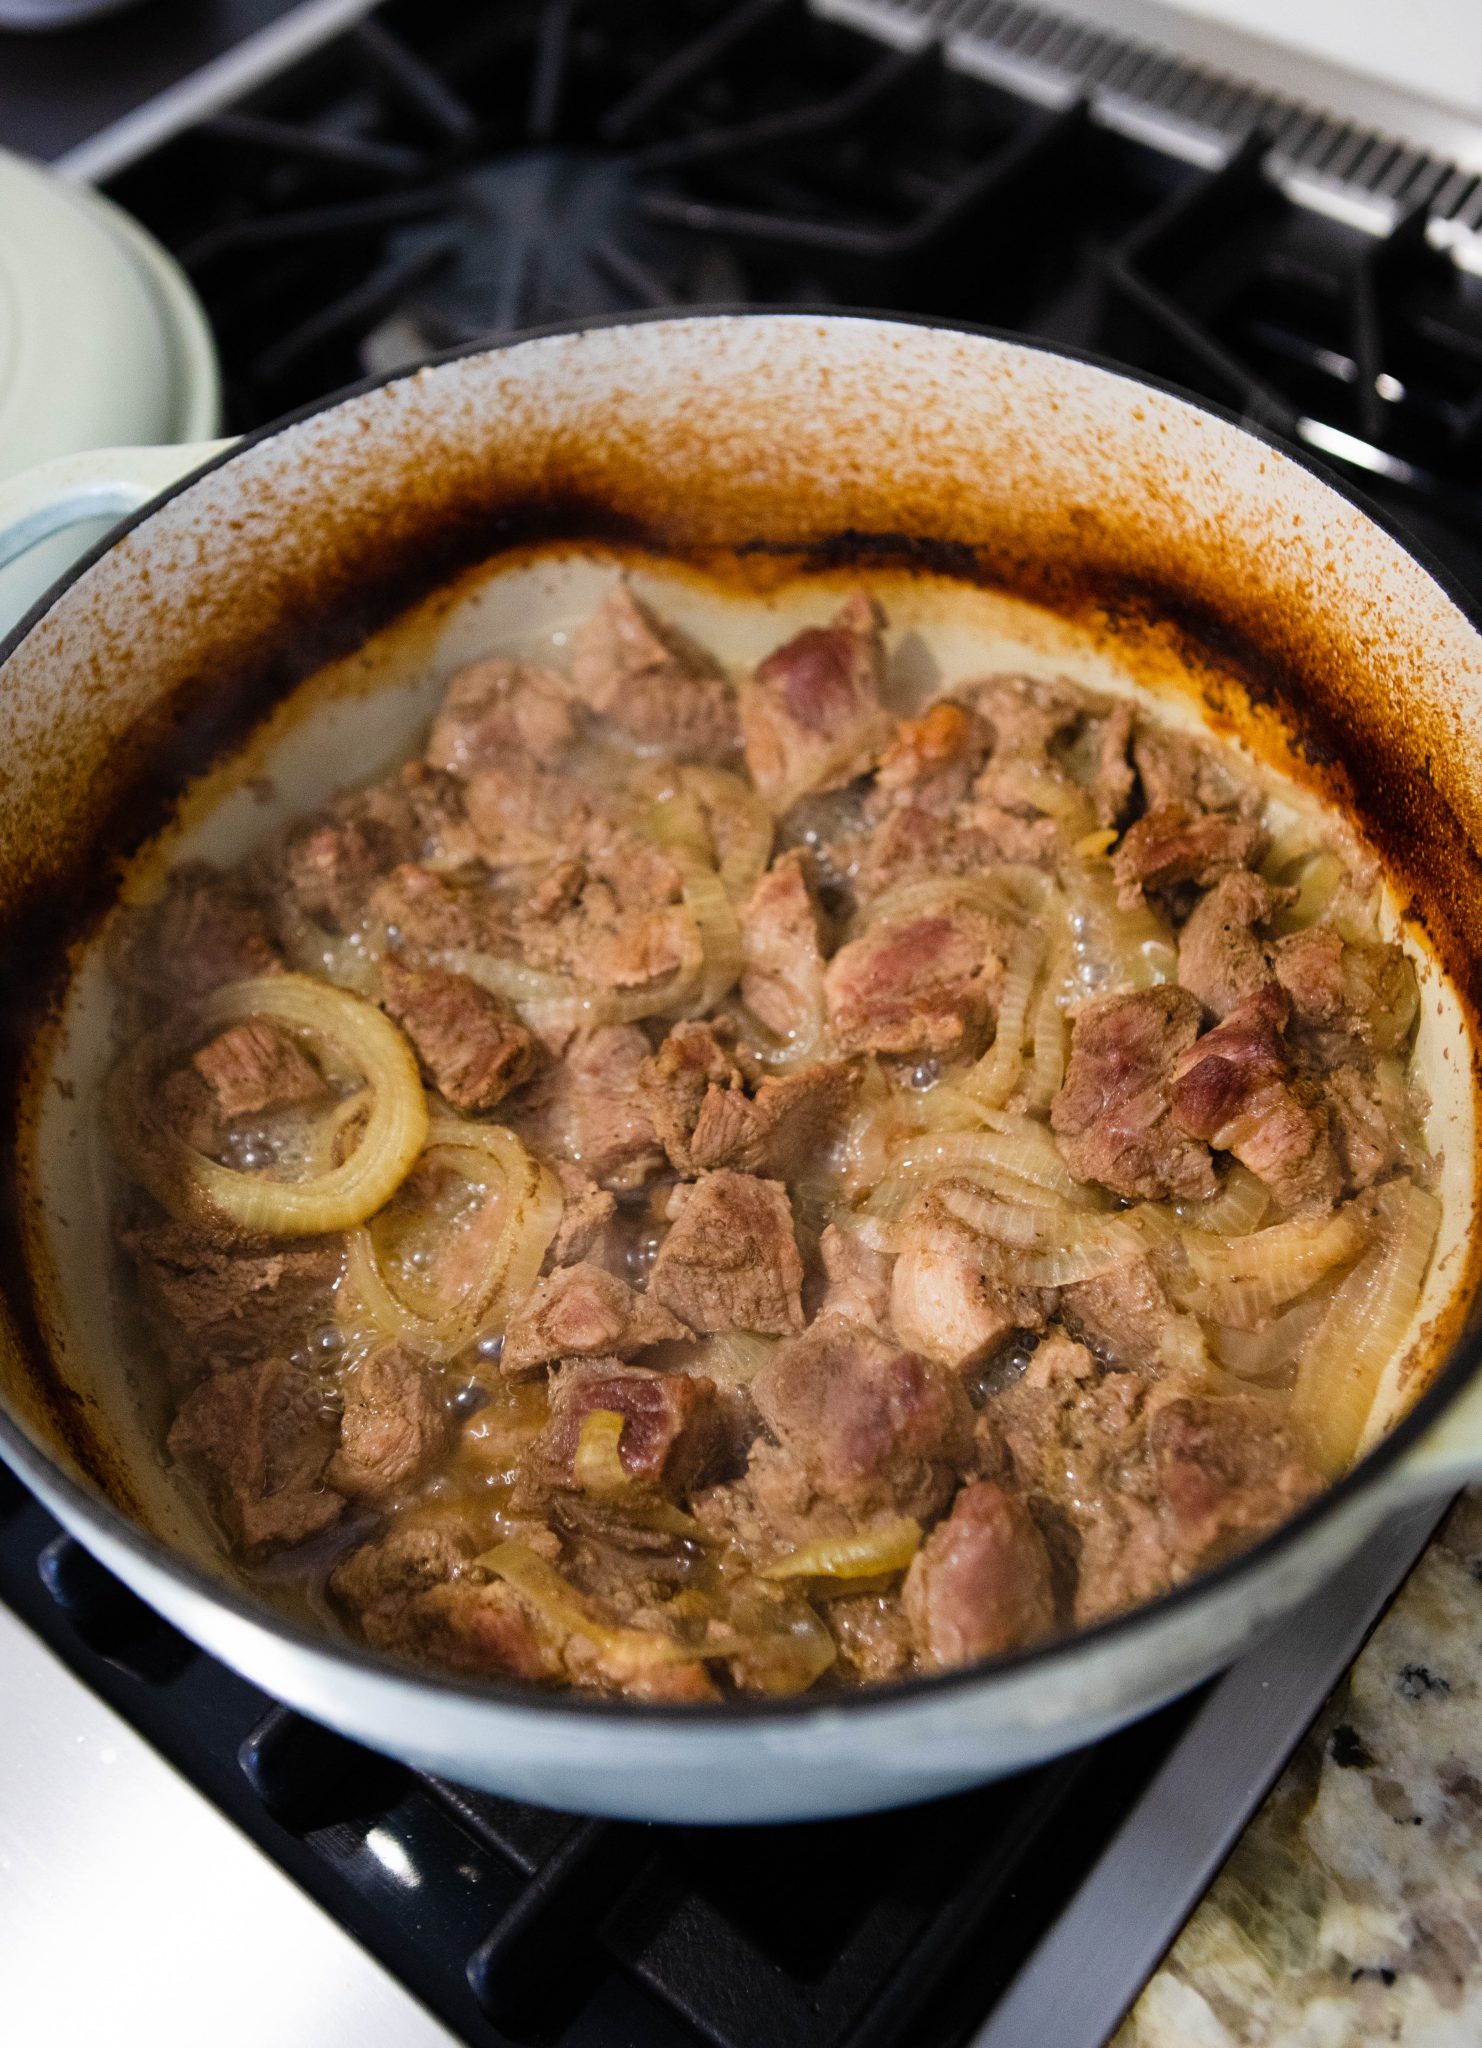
(715, 920)
(1048, 1032)
(338, 1198)
(1040, 1249)
(554, 1001)
(598, 1467)
(1023, 783)
(887, 1548)
(1241, 1280)
(735, 1357)
(1317, 877)
(624, 1653)
(1010, 888)
(487, 1154)
(1271, 1353)
(1367, 1322)
(1236, 1209)
(996, 1075)
(1114, 949)
(741, 828)
(1011, 1144)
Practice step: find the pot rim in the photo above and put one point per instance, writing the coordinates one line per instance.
(33, 1464)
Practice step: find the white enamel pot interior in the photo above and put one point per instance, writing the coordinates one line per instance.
(1012, 507)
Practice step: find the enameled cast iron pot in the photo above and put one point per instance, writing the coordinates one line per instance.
(1023, 507)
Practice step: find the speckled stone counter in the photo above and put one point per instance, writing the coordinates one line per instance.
(1350, 1913)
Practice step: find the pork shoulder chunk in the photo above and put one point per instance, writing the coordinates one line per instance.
(1126, 1318)
(811, 716)
(782, 948)
(471, 1044)
(611, 917)
(931, 763)
(1346, 997)
(582, 1311)
(980, 1583)
(496, 710)
(477, 1631)
(396, 1424)
(1233, 1090)
(706, 1118)
(861, 1427)
(254, 1067)
(588, 1229)
(1174, 843)
(942, 1302)
(408, 1558)
(205, 1303)
(423, 913)
(1220, 958)
(673, 1425)
(857, 1280)
(1113, 1115)
(1225, 1475)
(1026, 714)
(730, 1260)
(1177, 768)
(332, 863)
(640, 673)
(919, 984)
(259, 1437)
(205, 930)
(588, 1108)
(1363, 1126)
(1112, 779)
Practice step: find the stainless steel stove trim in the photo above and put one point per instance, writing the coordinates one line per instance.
(1077, 1985)
(217, 84)
(1344, 145)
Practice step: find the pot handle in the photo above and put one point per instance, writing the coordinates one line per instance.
(1449, 1455)
(105, 483)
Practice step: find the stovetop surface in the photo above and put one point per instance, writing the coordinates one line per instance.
(443, 172)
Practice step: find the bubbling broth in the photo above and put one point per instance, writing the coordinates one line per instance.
(710, 1179)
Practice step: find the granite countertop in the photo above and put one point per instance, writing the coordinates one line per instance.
(1350, 1913)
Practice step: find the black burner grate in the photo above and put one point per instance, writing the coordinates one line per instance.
(522, 1926)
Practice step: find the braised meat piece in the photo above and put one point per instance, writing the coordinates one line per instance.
(872, 1634)
(730, 1260)
(422, 913)
(331, 864)
(1225, 1475)
(1112, 778)
(1232, 1090)
(1126, 1318)
(706, 1119)
(471, 1045)
(205, 930)
(611, 917)
(782, 948)
(1346, 997)
(1175, 843)
(1112, 1116)
(911, 844)
(408, 1558)
(1362, 1126)
(581, 1311)
(589, 1108)
(477, 1631)
(1220, 959)
(861, 1427)
(642, 675)
(1027, 713)
(522, 816)
(811, 715)
(496, 710)
(932, 761)
(672, 1425)
(205, 1302)
(588, 1226)
(676, 1080)
(943, 1304)
(1177, 768)
(252, 1066)
(858, 1280)
(980, 1583)
(922, 984)
(396, 1425)
(259, 1437)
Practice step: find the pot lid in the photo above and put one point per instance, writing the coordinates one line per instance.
(102, 341)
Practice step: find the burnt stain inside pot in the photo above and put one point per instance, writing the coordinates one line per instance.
(710, 1180)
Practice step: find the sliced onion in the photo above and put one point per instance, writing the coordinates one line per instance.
(1282, 1261)
(715, 920)
(1367, 1321)
(555, 1002)
(1048, 1071)
(395, 1125)
(1032, 1248)
(1237, 1208)
(743, 848)
(1033, 788)
(1115, 949)
(886, 1548)
(623, 1653)
(1015, 1145)
(598, 1467)
(996, 1075)
(1318, 876)
(1007, 889)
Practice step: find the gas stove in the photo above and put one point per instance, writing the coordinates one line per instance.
(349, 188)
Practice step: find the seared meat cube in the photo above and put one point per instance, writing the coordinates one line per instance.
(730, 1260)
(407, 1559)
(396, 1424)
(1027, 713)
(642, 674)
(1225, 1475)
(1112, 1116)
(589, 1108)
(583, 1312)
(911, 843)
(205, 930)
(861, 1426)
(1177, 768)
(980, 1583)
(471, 1044)
(610, 916)
(925, 984)
(331, 864)
(676, 1081)
(1232, 1090)
(587, 1227)
(498, 710)
(1176, 844)
(858, 1280)
(872, 1634)
(253, 1066)
(943, 1304)
(1346, 996)
(932, 760)
(672, 1425)
(706, 1119)
(260, 1437)
(811, 716)
(478, 1631)
(204, 1302)
(425, 913)
(1127, 1319)
(1111, 776)
(782, 948)
(522, 816)
(1362, 1128)
(1220, 959)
